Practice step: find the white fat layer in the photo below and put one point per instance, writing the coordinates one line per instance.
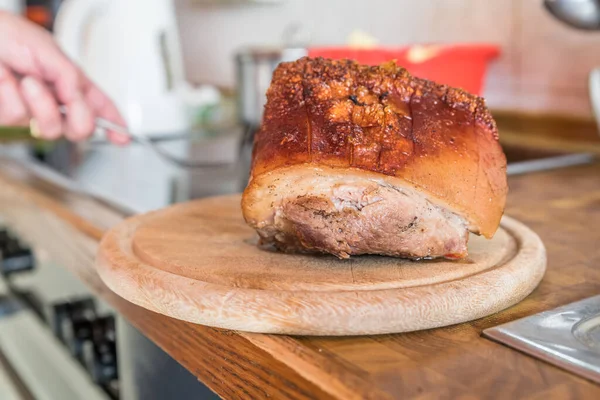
(343, 188)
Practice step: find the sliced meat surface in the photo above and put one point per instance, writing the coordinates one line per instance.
(355, 159)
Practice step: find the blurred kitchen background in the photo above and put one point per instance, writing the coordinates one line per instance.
(543, 67)
(190, 77)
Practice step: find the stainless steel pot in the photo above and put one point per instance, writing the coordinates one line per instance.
(254, 69)
(580, 14)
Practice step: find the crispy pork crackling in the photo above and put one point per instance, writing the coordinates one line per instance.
(353, 159)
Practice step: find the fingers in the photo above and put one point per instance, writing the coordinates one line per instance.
(80, 121)
(43, 108)
(30, 97)
(69, 82)
(103, 107)
(12, 108)
(31, 51)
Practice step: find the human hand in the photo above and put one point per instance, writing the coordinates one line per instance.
(36, 77)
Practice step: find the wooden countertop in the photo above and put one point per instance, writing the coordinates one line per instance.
(563, 206)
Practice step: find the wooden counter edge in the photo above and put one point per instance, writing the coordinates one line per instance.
(295, 361)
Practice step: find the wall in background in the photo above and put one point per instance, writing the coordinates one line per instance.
(543, 68)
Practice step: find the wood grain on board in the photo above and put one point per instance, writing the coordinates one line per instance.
(562, 206)
(200, 262)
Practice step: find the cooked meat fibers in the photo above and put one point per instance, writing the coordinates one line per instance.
(354, 159)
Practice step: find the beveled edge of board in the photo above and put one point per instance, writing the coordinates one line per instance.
(322, 313)
(268, 269)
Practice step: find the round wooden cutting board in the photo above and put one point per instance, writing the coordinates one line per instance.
(199, 262)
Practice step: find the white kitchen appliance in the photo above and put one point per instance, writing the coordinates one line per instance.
(131, 49)
(13, 6)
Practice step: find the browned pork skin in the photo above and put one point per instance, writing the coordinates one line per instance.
(353, 159)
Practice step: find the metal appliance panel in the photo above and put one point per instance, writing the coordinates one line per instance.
(568, 337)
